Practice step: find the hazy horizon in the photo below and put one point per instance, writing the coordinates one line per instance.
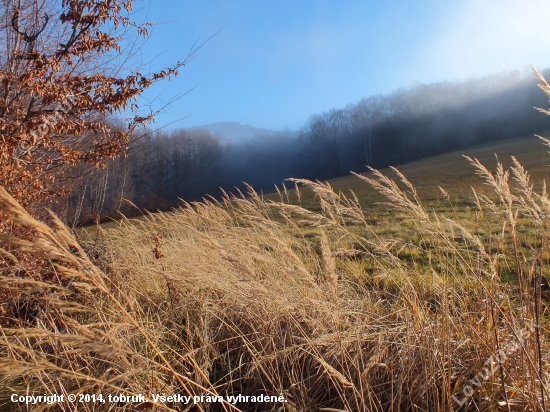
(272, 65)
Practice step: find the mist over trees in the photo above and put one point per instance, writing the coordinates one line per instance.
(378, 131)
(424, 120)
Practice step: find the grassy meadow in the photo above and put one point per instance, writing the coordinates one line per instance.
(379, 292)
(450, 171)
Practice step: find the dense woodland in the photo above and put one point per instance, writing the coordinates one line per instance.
(163, 168)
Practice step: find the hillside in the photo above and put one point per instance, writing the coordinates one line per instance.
(451, 171)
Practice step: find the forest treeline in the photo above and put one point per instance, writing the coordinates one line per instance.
(163, 168)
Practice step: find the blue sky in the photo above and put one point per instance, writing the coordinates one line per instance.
(275, 63)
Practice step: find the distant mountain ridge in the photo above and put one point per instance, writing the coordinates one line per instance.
(235, 132)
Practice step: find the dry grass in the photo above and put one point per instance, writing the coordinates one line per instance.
(250, 296)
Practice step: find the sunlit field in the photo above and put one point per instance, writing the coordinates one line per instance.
(364, 293)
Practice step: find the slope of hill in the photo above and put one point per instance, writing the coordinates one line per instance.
(452, 171)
